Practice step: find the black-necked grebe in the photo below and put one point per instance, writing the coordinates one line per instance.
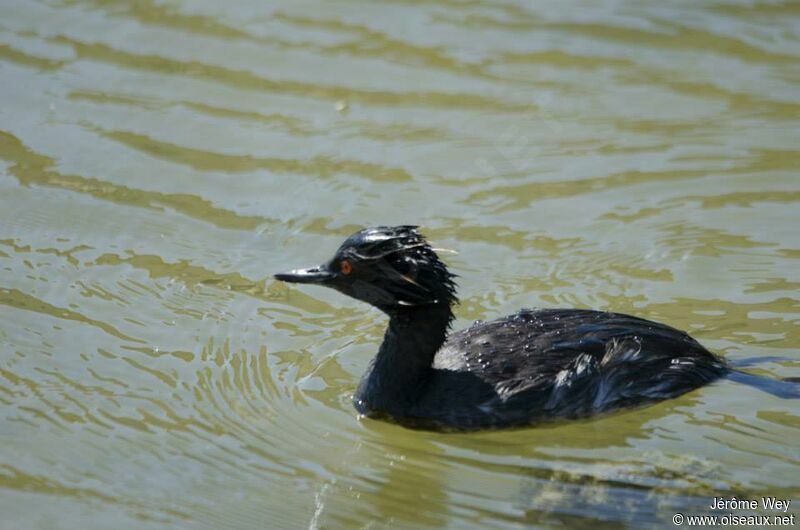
(535, 365)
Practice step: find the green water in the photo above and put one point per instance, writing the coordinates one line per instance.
(160, 160)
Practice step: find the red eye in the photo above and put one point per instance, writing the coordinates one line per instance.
(345, 267)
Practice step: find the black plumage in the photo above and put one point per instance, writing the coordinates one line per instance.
(529, 367)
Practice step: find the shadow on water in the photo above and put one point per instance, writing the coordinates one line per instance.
(532, 469)
(788, 388)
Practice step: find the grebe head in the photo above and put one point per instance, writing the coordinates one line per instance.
(391, 268)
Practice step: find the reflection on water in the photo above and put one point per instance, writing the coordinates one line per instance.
(158, 161)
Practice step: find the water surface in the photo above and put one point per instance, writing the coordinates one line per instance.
(160, 160)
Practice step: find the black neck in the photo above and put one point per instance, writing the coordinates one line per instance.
(399, 373)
